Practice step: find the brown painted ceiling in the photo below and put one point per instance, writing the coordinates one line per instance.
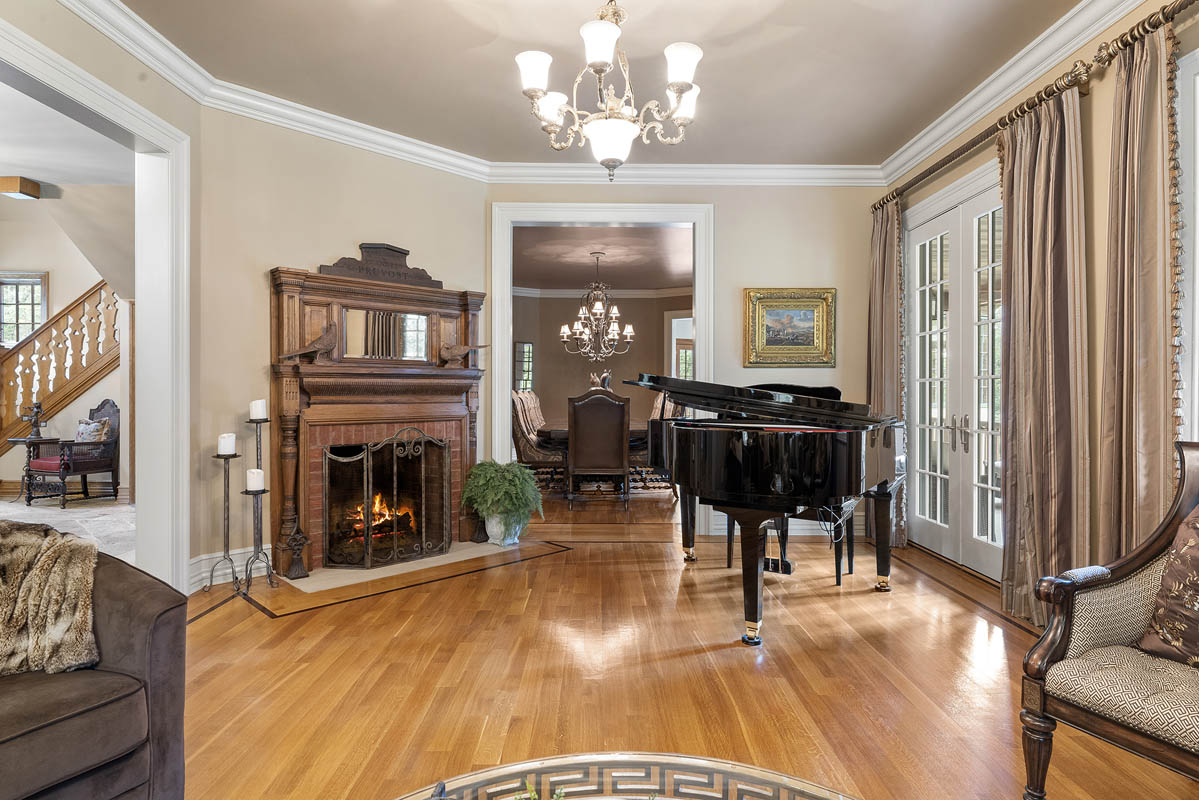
(784, 81)
(635, 258)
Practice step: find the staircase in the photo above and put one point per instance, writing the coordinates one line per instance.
(59, 361)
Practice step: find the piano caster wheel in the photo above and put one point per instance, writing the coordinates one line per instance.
(689, 555)
(883, 584)
(751, 637)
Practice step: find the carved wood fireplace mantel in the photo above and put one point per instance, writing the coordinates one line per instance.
(353, 361)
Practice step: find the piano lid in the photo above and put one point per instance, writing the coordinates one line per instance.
(746, 403)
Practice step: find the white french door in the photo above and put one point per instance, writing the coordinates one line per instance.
(954, 276)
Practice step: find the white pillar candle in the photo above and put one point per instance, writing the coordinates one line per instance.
(226, 444)
(257, 409)
(255, 480)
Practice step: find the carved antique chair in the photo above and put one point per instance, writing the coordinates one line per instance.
(1086, 671)
(57, 461)
(598, 440)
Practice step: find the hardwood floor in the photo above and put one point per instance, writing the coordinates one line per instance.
(614, 644)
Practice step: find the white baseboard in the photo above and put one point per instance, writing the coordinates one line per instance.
(199, 568)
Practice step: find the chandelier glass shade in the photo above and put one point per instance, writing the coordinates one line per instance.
(616, 121)
(596, 334)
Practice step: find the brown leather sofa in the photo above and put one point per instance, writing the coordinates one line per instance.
(115, 731)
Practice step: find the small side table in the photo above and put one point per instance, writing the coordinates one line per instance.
(31, 443)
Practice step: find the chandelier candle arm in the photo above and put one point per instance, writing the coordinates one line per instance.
(616, 123)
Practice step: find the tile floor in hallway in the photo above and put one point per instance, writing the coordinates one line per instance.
(111, 524)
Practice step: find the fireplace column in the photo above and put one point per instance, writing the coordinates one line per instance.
(289, 452)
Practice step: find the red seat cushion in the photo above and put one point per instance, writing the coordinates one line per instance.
(50, 464)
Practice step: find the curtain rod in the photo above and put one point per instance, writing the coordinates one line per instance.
(1079, 75)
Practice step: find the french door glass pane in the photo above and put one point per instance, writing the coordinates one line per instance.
(988, 276)
(933, 459)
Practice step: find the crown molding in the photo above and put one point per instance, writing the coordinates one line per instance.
(619, 294)
(692, 174)
(1074, 30)
(119, 23)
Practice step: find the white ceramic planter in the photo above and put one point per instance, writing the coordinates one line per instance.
(498, 535)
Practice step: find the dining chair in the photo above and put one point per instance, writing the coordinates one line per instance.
(597, 439)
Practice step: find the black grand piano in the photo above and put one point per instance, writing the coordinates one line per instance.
(772, 453)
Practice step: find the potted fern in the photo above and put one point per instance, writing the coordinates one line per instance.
(505, 496)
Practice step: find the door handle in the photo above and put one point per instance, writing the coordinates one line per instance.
(965, 430)
(953, 433)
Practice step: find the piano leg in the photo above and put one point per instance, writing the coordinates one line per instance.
(687, 515)
(728, 548)
(753, 553)
(849, 543)
(880, 500)
(838, 548)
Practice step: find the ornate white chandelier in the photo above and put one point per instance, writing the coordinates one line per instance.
(612, 129)
(596, 333)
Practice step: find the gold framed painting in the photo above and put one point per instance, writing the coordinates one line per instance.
(790, 327)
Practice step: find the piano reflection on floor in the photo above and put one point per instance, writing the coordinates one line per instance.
(775, 451)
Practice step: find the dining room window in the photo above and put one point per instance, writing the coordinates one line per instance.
(684, 359)
(522, 367)
(22, 305)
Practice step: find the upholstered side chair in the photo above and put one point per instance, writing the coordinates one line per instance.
(1085, 670)
(598, 439)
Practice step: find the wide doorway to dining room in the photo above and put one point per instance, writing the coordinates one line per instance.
(593, 306)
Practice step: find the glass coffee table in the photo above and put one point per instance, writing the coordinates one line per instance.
(628, 775)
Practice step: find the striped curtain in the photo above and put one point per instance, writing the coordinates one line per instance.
(1045, 481)
(1140, 407)
(884, 336)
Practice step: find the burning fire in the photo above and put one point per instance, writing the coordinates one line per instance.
(381, 514)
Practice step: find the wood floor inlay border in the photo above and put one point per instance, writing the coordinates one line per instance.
(285, 600)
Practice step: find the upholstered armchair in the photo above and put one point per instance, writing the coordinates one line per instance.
(1086, 671)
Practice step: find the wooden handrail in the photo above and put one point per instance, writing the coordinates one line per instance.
(64, 357)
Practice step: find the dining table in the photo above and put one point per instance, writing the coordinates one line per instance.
(557, 434)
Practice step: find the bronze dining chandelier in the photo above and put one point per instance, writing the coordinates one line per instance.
(611, 128)
(596, 333)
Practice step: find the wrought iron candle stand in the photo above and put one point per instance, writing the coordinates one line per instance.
(226, 458)
(259, 554)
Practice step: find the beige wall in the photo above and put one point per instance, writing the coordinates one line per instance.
(279, 198)
(1096, 114)
(764, 237)
(558, 375)
(35, 243)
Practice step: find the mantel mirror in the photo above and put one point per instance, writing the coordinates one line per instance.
(391, 335)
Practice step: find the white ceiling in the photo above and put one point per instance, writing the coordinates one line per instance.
(558, 257)
(39, 143)
(784, 81)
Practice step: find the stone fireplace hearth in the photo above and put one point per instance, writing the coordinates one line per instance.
(364, 372)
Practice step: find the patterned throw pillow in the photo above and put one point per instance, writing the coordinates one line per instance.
(92, 430)
(1174, 627)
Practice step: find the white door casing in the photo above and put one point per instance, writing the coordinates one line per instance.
(954, 274)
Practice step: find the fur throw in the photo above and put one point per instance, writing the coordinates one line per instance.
(45, 599)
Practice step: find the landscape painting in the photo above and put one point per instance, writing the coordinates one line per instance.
(790, 327)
